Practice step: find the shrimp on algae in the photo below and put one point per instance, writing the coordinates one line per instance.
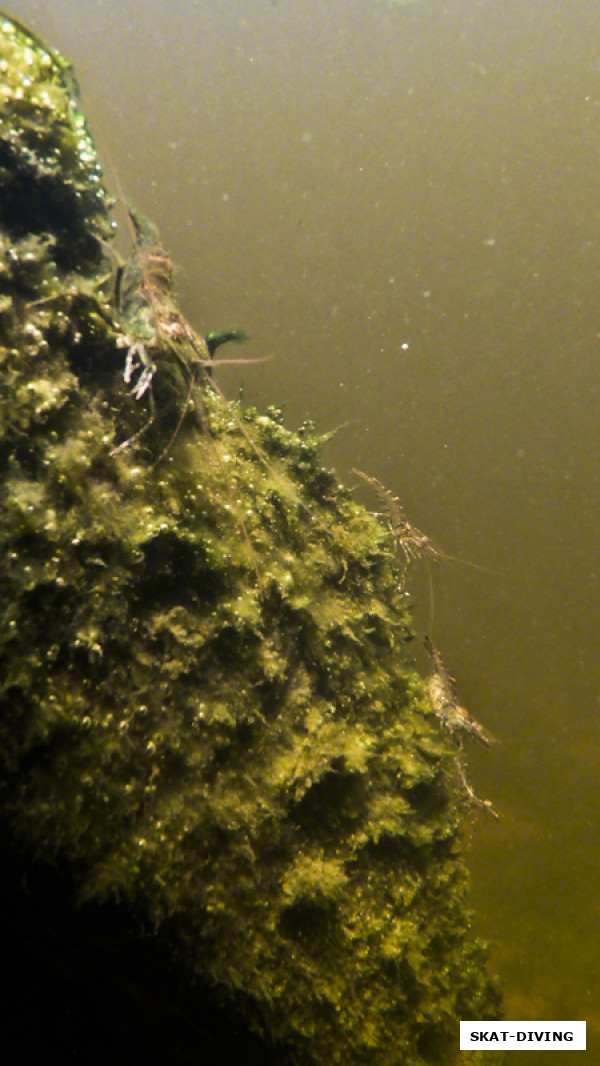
(455, 719)
(157, 333)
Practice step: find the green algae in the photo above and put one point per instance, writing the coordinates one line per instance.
(208, 707)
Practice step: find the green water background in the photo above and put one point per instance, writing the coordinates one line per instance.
(401, 203)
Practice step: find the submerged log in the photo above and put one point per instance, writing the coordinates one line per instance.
(212, 736)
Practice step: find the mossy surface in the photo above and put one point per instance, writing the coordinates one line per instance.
(207, 703)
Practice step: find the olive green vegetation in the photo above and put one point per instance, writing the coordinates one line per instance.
(208, 707)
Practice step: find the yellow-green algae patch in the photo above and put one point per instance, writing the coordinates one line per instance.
(207, 704)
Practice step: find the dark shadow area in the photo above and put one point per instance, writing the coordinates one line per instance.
(81, 989)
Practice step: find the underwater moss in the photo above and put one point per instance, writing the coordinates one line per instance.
(208, 707)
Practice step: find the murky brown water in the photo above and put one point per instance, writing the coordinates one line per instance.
(402, 203)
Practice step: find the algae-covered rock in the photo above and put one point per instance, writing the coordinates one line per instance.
(208, 710)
